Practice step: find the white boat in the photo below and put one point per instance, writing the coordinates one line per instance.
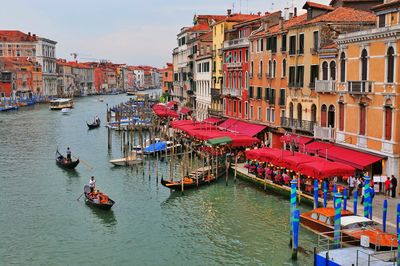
(138, 149)
(101, 99)
(127, 161)
(65, 111)
(59, 104)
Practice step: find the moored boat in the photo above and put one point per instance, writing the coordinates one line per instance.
(97, 199)
(321, 221)
(64, 162)
(199, 177)
(129, 160)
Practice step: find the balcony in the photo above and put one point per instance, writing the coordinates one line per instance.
(215, 94)
(234, 65)
(324, 133)
(303, 125)
(328, 86)
(214, 112)
(234, 92)
(236, 43)
(360, 87)
(300, 51)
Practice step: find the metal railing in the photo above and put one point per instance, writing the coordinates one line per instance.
(236, 42)
(360, 87)
(295, 84)
(325, 85)
(304, 125)
(215, 93)
(232, 92)
(215, 112)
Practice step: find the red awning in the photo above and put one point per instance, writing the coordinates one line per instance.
(185, 110)
(171, 104)
(294, 161)
(266, 154)
(212, 120)
(297, 139)
(356, 159)
(316, 146)
(323, 169)
(162, 111)
(245, 128)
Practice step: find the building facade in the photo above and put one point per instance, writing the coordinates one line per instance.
(46, 57)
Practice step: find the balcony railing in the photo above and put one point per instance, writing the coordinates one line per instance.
(325, 85)
(236, 43)
(235, 92)
(269, 76)
(360, 87)
(324, 133)
(214, 112)
(234, 65)
(295, 84)
(297, 124)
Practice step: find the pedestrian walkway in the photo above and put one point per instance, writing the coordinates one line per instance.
(377, 209)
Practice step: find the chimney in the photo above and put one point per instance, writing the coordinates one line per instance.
(29, 33)
(290, 15)
(229, 12)
(281, 19)
(295, 12)
(259, 13)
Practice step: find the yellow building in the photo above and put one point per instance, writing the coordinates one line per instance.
(368, 89)
(219, 28)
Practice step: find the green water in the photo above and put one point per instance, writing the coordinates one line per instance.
(42, 223)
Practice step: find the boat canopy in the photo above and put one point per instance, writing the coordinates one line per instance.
(353, 219)
(155, 147)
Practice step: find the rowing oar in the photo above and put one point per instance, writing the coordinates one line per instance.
(89, 167)
(80, 196)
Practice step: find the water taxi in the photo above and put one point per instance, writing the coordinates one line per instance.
(59, 104)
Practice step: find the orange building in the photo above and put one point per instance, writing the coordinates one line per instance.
(368, 90)
(167, 78)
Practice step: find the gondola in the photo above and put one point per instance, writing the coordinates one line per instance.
(94, 125)
(97, 199)
(191, 181)
(64, 163)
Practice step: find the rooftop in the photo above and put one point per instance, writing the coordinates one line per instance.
(317, 6)
(16, 36)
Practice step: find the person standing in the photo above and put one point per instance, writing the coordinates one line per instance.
(352, 184)
(388, 184)
(394, 186)
(68, 154)
(92, 183)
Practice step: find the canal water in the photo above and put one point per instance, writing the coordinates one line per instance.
(42, 223)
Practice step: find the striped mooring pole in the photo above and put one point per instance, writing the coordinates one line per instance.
(338, 212)
(315, 194)
(384, 216)
(296, 221)
(366, 197)
(345, 199)
(325, 194)
(293, 197)
(355, 202)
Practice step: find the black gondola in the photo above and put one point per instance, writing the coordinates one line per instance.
(94, 125)
(191, 182)
(91, 199)
(64, 162)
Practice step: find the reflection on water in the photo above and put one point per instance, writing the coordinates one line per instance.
(106, 217)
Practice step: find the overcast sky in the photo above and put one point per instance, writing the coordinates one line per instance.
(123, 31)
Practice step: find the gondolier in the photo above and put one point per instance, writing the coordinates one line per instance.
(68, 154)
(92, 183)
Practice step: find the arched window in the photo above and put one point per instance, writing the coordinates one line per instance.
(332, 67)
(325, 70)
(274, 69)
(341, 116)
(313, 113)
(229, 80)
(342, 67)
(240, 85)
(247, 80)
(299, 112)
(291, 110)
(252, 68)
(225, 81)
(390, 65)
(388, 122)
(284, 68)
(323, 115)
(261, 67)
(331, 116)
(234, 81)
(362, 119)
(364, 65)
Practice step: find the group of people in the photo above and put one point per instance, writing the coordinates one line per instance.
(357, 184)
(391, 186)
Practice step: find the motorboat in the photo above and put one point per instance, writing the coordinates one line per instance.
(161, 146)
(353, 227)
(126, 161)
(65, 111)
(59, 104)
